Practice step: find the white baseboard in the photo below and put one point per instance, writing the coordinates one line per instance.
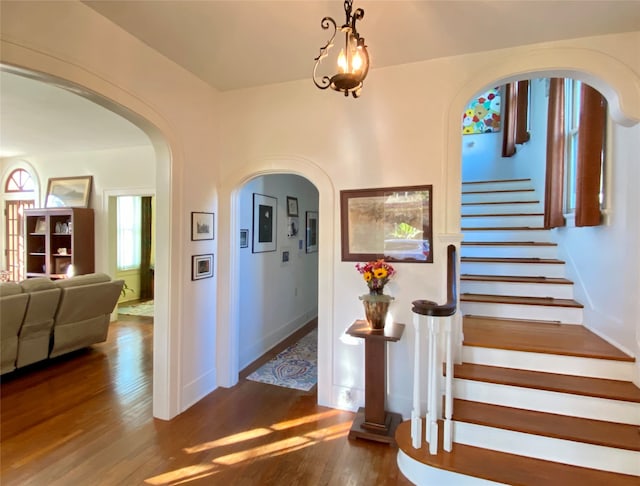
(197, 389)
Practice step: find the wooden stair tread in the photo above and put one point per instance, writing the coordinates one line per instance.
(497, 191)
(511, 260)
(516, 300)
(507, 468)
(504, 228)
(496, 181)
(597, 432)
(574, 385)
(515, 278)
(506, 215)
(508, 243)
(538, 337)
(500, 202)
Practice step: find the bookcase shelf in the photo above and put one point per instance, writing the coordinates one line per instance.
(58, 238)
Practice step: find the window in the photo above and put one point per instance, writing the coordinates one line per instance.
(129, 232)
(19, 181)
(572, 120)
(574, 113)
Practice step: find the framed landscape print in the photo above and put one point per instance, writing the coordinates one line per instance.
(264, 223)
(201, 266)
(68, 192)
(393, 223)
(312, 232)
(201, 226)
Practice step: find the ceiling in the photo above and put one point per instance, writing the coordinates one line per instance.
(241, 44)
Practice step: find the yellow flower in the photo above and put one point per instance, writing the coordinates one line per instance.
(380, 273)
(367, 276)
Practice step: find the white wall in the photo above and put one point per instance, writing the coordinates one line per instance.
(209, 144)
(482, 153)
(276, 297)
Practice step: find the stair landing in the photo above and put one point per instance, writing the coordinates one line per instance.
(538, 337)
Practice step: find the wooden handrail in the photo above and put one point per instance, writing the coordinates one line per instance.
(430, 308)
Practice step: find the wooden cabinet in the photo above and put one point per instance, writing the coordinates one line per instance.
(57, 238)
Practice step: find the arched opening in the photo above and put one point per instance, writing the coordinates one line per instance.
(230, 298)
(166, 398)
(278, 268)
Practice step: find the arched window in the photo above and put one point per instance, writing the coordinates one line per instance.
(19, 194)
(19, 181)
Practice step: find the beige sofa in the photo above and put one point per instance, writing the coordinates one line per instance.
(41, 318)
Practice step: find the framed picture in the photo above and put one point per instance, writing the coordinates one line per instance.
(292, 206)
(41, 226)
(312, 232)
(68, 192)
(201, 266)
(201, 226)
(244, 238)
(264, 223)
(393, 223)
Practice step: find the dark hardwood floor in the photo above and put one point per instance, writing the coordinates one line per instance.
(86, 419)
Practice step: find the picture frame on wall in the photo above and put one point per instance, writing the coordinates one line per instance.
(264, 223)
(201, 266)
(394, 223)
(311, 232)
(244, 238)
(68, 192)
(202, 226)
(292, 206)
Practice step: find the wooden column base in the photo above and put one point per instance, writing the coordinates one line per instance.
(360, 429)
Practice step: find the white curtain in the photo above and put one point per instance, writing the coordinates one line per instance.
(129, 232)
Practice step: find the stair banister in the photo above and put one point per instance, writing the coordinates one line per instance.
(433, 314)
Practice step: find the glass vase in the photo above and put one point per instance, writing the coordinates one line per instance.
(376, 307)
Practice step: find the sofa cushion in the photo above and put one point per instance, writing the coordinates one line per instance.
(88, 279)
(37, 284)
(9, 288)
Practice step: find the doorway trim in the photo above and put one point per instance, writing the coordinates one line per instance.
(229, 247)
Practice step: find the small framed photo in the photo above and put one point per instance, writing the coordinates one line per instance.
(244, 238)
(201, 226)
(292, 206)
(201, 266)
(41, 226)
(68, 192)
(312, 232)
(264, 223)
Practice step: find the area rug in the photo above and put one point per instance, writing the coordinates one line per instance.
(142, 309)
(295, 367)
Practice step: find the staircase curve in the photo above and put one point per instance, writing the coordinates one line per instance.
(538, 398)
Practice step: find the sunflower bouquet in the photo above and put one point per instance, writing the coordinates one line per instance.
(376, 274)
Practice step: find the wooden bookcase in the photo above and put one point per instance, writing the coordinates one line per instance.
(57, 238)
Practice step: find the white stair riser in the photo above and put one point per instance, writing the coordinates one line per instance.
(423, 474)
(516, 269)
(529, 221)
(496, 185)
(503, 251)
(565, 315)
(548, 448)
(543, 236)
(593, 408)
(550, 363)
(506, 208)
(557, 291)
(498, 196)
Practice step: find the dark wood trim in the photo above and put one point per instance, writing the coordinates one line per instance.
(430, 308)
(515, 279)
(499, 191)
(500, 215)
(550, 261)
(499, 202)
(507, 243)
(496, 181)
(516, 300)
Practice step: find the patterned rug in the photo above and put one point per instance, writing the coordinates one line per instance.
(142, 309)
(295, 367)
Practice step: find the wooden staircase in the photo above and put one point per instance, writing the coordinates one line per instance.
(539, 399)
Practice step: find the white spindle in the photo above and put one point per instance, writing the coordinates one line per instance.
(433, 386)
(416, 419)
(448, 403)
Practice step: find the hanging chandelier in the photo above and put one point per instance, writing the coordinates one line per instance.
(353, 60)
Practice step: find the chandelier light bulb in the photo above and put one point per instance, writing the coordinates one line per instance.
(356, 62)
(342, 62)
